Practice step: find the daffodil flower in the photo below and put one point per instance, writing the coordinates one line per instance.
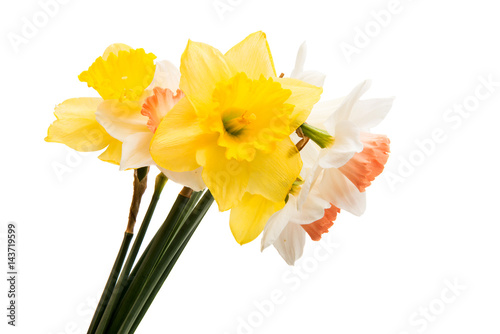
(336, 177)
(135, 95)
(235, 122)
(134, 123)
(122, 73)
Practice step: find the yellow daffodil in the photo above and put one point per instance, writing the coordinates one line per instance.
(235, 121)
(121, 74)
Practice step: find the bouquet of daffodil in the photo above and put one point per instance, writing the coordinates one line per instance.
(229, 129)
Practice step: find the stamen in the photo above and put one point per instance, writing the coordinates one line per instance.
(235, 124)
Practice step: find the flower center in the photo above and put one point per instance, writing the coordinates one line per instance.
(249, 116)
(235, 120)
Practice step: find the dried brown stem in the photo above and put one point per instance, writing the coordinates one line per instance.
(303, 142)
(186, 192)
(139, 189)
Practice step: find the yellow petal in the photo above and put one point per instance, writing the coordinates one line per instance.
(76, 125)
(253, 56)
(249, 217)
(123, 76)
(273, 174)
(113, 154)
(303, 97)
(115, 48)
(226, 179)
(202, 66)
(178, 138)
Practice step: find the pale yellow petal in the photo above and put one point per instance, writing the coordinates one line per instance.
(226, 179)
(303, 97)
(249, 217)
(272, 174)
(191, 179)
(178, 138)
(135, 151)
(167, 75)
(76, 125)
(202, 67)
(113, 154)
(115, 48)
(253, 56)
(121, 119)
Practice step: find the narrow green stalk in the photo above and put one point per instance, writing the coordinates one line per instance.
(137, 285)
(193, 201)
(134, 271)
(119, 288)
(175, 246)
(140, 184)
(185, 214)
(162, 279)
(110, 284)
(138, 264)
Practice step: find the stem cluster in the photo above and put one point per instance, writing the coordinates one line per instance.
(130, 289)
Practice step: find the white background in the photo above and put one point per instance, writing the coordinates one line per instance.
(437, 223)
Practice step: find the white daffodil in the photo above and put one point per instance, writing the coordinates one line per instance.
(335, 177)
(134, 123)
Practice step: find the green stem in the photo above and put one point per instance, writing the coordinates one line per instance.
(163, 278)
(138, 265)
(185, 214)
(110, 284)
(137, 285)
(119, 288)
(140, 184)
(158, 276)
(136, 268)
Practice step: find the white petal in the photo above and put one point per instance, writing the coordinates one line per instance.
(299, 61)
(278, 222)
(166, 76)
(347, 143)
(290, 243)
(343, 112)
(338, 190)
(312, 210)
(313, 174)
(121, 119)
(322, 111)
(135, 151)
(309, 155)
(312, 77)
(367, 114)
(191, 179)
